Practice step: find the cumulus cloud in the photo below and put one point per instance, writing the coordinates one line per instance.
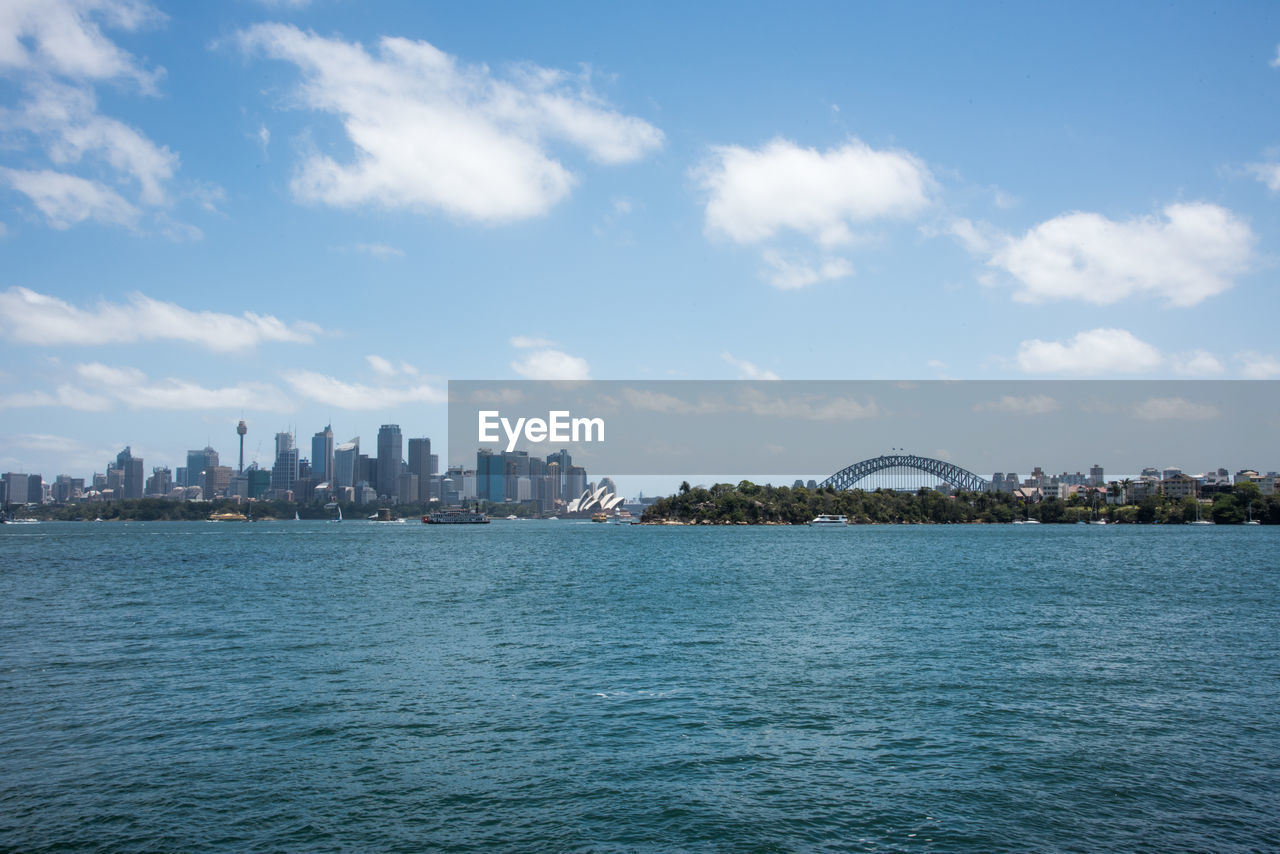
(1174, 409)
(1196, 363)
(786, 273)
(1038, 404)
(547, 364)
(1267, 173)
(64, 37)
(754, 194)
(57, 53)
(1192, 251)
(1097, 351)
(66, 200)
(747, 370)
(112, 386)
(134, 389)
(523, 342)
(433, 134)
(358, 396)
(34, 318)
(1258, 366)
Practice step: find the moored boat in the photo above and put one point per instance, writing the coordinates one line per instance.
(455, 517)
(827, 520)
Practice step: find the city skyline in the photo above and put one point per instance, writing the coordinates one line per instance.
(316, 213)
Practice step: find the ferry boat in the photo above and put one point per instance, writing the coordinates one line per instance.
(827, 520)
(228, 516)
(455, 517)
(600, 517)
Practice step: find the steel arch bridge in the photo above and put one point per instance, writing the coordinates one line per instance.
(944, 471)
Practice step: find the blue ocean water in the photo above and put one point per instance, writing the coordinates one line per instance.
(573, 687)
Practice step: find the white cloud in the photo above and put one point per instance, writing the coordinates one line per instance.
(1275, 63)
(790, 273)
(432, 134)
(746, 370)
(540, 362)
(379, 250)
(1174, 409)
(63, 37)
(1039, 404)
(67, 200)
(755, 194)
(1258, 366)
(356, 396)
(1190, 253)
(1267, 173)
(67, 396)
(33, 318)
(1097, 351)
(524, 342)
(1196, 363)
(134, 389)
(56, 51)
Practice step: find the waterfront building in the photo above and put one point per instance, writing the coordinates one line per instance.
(1170, 473)
(1180, 486)
(197, 463)
(322, 454)
(1096, 477)
(285, 469)
(420, 457)
(133, 479)
(160, 482)
(390, 456)
(15, 487)
(345, 459)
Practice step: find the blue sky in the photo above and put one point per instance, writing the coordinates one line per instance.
(307, 213)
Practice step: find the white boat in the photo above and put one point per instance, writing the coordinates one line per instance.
(1097, 521)
(1198, 520)
(827, 520)
(1026, 521)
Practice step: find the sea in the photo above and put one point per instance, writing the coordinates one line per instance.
(567, 686)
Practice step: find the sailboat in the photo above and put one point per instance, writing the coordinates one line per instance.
(1198, 520)
(1249, 520)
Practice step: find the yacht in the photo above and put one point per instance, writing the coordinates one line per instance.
(828, 520)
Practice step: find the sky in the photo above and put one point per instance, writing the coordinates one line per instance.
(308, 213)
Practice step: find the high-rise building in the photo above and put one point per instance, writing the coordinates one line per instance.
(407, 491)
(322, 454)
(344, 463)
(489, 475)
(134, 479)
(420, 464)
(197, 462)
(15, 487)
(285, 470)
(1096, 477)
(217, 481)
(390, 456)
(160, 482)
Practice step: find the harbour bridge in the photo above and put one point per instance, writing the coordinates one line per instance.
(905, 473)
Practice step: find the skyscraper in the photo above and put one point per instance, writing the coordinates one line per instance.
(197, 463)
(322, 454)
(134, 477)
(420, 464)
(285, 470)
(344, 463)
(390, 455)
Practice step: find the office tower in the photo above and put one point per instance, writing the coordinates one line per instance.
(160, 482)
(1095, 475)
(217, 481)
(285, 470)
(63, 491)
(197, 462)
(322, 454)
(420, 464)
(575, 482)
(390, 455)
(15, 488)
(133, 479)
(489, 471)
(344, 463)
(35, 489)
(407, 489)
